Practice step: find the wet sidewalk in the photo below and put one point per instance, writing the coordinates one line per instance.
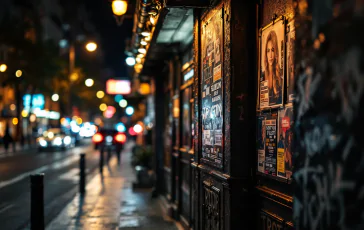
(19, 149)
(111, 202)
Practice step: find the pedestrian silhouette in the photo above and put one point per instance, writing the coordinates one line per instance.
(7, 138)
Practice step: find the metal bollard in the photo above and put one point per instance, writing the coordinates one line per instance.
(37, 202)
(82, 173)
(101, 161)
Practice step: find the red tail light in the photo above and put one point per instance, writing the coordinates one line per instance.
(120, 137)
(97, 138)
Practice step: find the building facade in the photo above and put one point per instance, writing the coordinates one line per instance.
(257, 111)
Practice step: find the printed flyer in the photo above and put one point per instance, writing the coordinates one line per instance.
(271, 147)
(284, 156)
(261, 142)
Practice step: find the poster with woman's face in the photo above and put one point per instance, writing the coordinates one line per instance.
(271, 80)
(291, 37)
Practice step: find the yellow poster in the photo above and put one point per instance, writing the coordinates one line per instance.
(217, 73)
(280, 162)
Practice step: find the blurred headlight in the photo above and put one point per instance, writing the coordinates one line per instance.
(51, 135)
(42, 143)
(67, 140)
(57, 141)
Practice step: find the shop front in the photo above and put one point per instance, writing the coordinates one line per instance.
(257, 112)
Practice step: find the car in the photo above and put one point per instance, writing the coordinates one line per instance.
(55, 138)
(87, 130)
(109, 140)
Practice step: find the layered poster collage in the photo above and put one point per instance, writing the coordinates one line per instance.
(212, 89)
(274, 143)
(275, 116)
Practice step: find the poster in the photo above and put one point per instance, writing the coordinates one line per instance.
(284, 154)
(271, 146)
(271, 82)
(212, 93)
(261, 143)
(291, 36)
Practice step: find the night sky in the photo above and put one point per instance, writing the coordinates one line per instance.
(112, 36)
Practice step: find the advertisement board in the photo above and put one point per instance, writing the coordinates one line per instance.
(212, 89)
(114, 87)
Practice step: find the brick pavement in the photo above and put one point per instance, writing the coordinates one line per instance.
(111, 203)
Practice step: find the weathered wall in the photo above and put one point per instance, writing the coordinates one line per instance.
(329, 115)
(278, 7)
(273, 183)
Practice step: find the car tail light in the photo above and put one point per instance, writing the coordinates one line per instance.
(97, 138)
(120, 137)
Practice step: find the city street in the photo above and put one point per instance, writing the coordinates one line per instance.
(61, 169)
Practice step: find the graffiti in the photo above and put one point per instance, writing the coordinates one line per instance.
(307, 86)
(349, 83)
(319, 138)
(328, 118)
(329, 194)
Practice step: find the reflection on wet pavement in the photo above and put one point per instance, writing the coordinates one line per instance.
(111, 203)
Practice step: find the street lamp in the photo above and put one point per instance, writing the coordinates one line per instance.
(24, 113)
(15, 121)
(55, 97)
(72, 75)
(18, 73)
(129, 110)
(138, 128)
(89, 82)
(3, 68)
(118, 98)
(142, 50)
(91, 46)
(153, 20)
(119, 7)
(123, 103)
(130, 61)
(100, 94)
(145, 33)
(12, 107)
(103, 107)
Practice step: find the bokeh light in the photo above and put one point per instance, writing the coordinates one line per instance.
(123, 103)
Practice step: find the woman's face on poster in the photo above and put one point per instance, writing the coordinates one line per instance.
(270, 53)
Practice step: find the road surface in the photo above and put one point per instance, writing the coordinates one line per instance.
(61, 169)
